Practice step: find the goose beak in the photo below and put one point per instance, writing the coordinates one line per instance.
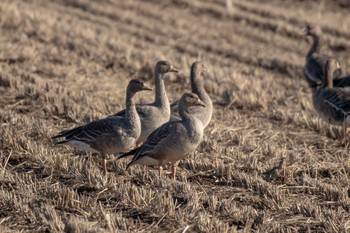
(338, 66)
(200, 103)
(146, 88)
(173, 69)
(304, 32)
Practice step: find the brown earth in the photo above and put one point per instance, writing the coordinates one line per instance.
(67, 62)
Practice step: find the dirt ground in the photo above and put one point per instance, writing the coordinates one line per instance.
(267, 163)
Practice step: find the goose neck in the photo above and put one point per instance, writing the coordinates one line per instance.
(184, 113)
(130, 111)
(161, 97)
(197, 85)
(328, 78)
(316, 45)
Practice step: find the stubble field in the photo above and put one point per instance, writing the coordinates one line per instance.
(266, 163)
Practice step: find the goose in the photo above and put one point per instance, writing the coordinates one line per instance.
(157, 113)
(332, 103)
(109, 135)
(315, 62)
(172, 141)
(198, 69)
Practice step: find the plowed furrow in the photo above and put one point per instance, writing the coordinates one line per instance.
(160, 38)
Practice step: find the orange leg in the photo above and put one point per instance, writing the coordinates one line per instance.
(104, 165)
(345, 128)
(160, 169)
(173, 171)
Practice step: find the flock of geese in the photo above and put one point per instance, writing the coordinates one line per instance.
(161, 133)
(330, 90)
(161, 140)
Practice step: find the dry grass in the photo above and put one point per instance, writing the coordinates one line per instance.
(266, 164)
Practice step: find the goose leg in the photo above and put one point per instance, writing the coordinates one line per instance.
(345, 128)
(173, 171)
(104, 165)
(331, 128)
(160, 169)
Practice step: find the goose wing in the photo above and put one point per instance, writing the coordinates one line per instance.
(342, 82)
(338, 100)
(92, 130)
(155, 138)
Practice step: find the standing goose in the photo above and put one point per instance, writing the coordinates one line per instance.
(333, 103)
(315, 62)
(109, 135)
(174, 140)
(157, 113)
(203, 114)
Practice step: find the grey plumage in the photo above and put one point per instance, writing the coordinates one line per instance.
(109, 135)
(315, 62)
(174, 140)
(204, 114)
(157, 113)
(332, 103)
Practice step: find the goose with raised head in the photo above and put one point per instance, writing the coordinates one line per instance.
(204, 114)
(172, 141)
(315, 62)
(157, 113)
(332, 103)
(109, 135)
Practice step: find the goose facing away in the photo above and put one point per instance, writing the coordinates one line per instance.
(109, 135)
(332, 103)
(157, 113)
(315, 61)
(204, 114)
(174, 140)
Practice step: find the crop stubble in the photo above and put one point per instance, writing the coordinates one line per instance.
(267, 163)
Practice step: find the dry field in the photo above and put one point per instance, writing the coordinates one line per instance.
(266, 164)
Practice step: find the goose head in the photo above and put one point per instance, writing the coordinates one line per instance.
(190, 99)
(136, 85)
(198, 69)
(163, 67)
(312, 30)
